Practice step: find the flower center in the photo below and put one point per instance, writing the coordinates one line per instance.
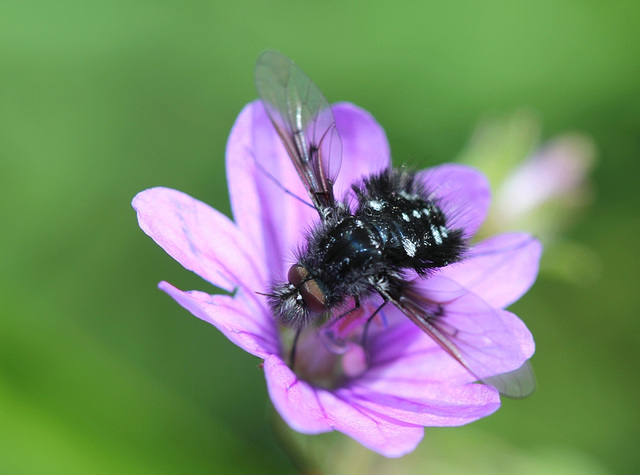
(329, 356)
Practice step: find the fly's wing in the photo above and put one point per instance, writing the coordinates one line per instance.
(484, 340)
(303, 119)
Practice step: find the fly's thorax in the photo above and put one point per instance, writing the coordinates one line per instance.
(341, 256)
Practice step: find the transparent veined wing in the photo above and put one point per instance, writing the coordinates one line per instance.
(304, 122)
(486, 341)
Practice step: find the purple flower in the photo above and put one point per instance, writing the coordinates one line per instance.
(546, 191)
(385, 396)
(540, 188)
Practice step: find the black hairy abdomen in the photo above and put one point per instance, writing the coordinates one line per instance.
(395, 227)
(416, 230)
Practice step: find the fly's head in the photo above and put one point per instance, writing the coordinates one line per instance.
(300, 302)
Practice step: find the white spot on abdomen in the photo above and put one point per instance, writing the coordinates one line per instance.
(437, 237)
(409, 247)
(376, 205)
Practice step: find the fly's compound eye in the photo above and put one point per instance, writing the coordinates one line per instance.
(310, 291)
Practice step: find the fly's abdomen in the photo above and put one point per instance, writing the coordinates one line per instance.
(421, 238)
(415, 231)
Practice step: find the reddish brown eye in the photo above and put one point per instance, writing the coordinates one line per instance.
(310, 291)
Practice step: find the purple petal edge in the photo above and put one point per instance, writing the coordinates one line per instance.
(501, 269)
(313, 410)
(235, 317)
(201, 238)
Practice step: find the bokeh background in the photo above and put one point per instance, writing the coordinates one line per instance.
(102, 373)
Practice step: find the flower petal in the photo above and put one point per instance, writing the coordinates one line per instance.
(237, 317)
(375, 430)
(365, 148)
(427, 404)
(404, 351)
(262, 181)
(463, 193)
(200, 238)
(417, 382)
(313, 410)
(500, 269)
(295, 400)
(558, 169)
(491, 341)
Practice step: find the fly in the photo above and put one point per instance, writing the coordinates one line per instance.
(369, 246)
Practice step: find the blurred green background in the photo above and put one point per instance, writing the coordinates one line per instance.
(102, 373)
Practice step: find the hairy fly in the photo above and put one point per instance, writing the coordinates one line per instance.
(366, 245)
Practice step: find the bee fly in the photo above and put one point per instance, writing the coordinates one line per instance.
(366, 248)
